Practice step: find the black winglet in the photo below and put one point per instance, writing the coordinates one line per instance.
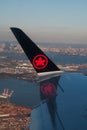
(39, 60)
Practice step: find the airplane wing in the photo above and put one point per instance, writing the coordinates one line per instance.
(41, 120)
(57, 111)
(71, 109)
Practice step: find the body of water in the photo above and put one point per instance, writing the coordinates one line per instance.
(25, 93)
(72, 104)
(56, 57)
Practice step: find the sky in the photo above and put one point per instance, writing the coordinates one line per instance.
(53, 21)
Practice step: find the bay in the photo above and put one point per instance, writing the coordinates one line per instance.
(25, 93)
(56, 57)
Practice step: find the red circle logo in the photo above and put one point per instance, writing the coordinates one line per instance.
(48, 89)
(40, 61)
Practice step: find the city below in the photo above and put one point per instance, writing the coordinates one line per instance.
(10, 67)
(13, 117)
(14, 64)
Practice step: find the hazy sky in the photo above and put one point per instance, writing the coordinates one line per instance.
(45, 20)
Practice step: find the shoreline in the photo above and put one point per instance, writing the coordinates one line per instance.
(16, 119)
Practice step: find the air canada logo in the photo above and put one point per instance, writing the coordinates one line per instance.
(40, 61)
(48, 89)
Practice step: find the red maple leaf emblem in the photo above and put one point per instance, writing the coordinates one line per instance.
(48, 89)
(40, 61)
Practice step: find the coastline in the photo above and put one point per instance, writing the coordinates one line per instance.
(19, 120)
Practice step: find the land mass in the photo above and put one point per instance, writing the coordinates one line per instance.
(12, 66)
(13, 117)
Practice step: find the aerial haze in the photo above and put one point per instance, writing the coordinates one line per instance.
(51, 21)
(59, 28)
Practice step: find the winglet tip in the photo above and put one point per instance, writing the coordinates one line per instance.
(14, 28)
